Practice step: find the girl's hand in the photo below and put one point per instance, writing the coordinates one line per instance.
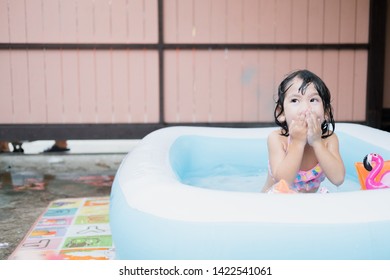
(299, 129)
(314, 130)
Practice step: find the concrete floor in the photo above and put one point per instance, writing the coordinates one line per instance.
(30, 181)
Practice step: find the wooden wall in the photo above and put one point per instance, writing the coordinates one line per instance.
(175, 61)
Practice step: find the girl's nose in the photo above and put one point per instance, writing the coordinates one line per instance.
(305, 107)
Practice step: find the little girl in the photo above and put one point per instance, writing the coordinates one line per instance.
(304, 150)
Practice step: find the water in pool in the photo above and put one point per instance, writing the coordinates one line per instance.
(246, 179)
(241, 164)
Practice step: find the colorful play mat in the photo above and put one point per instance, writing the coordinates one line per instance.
(70, 229)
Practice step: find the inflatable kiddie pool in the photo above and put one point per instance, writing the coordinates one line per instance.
(194, 193)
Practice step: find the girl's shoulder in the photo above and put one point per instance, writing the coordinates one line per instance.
(332, 139)
(276, 134)
(275, 138)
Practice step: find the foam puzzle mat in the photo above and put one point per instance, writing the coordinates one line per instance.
(70, 229)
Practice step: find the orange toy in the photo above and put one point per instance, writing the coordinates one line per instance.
(282, 187)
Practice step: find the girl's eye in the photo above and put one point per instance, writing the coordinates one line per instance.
(315, 99)
(294, 100)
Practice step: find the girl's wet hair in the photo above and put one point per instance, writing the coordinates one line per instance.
(307, 79)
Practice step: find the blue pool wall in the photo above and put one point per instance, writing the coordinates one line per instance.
(141, 236)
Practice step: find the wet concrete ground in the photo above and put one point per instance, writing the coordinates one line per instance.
(30, 181)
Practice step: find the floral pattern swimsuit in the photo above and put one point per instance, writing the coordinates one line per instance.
(307, 181)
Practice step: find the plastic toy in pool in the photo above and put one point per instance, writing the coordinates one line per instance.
(384, 179)
(194, 193)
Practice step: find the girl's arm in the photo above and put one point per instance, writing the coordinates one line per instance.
(285, 164)
(330, 160)
(327, 152)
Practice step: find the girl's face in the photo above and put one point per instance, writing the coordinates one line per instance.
(298, 104)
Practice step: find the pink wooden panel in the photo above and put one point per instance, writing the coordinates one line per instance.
(144, 97)
(267, 85)
(235, 21)
(80, 86)
(315, 15)
(218, 86)
(282, 65)
(51, 21)
(299, 21)
(283, 21)
(71, 86)
(217, 21)
(267, 21)
(362, 23)
(54, 86)
(21, 110)
(331, 21)
(151, 81)
(202, 81)
(202, 21)
(239, 20)
(170, 86)
(34, 21)
(136, 23)
(37, 89)
(185, 18)
(151, 22)
(4, 26)
(345, 86)
(347, 21)
(330, 77)
(85, 22)
(360, 86)
(103, 87)
(68, 21)
(264, 21)
(170, 21)
(7, 98)
(218, 28)
(185, 86)
(250, 29)
(315, 62)
(98, 21)
(17, 21)
(243, 84)
(102, 21)
(118, 18)
(137, 87)
(87, 90)
(225, 91)
(298, 60)
(250, 86)
(233, 87)
(120, 85)
(139, 99)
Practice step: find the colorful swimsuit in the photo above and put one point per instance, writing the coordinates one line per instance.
(306, 181)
